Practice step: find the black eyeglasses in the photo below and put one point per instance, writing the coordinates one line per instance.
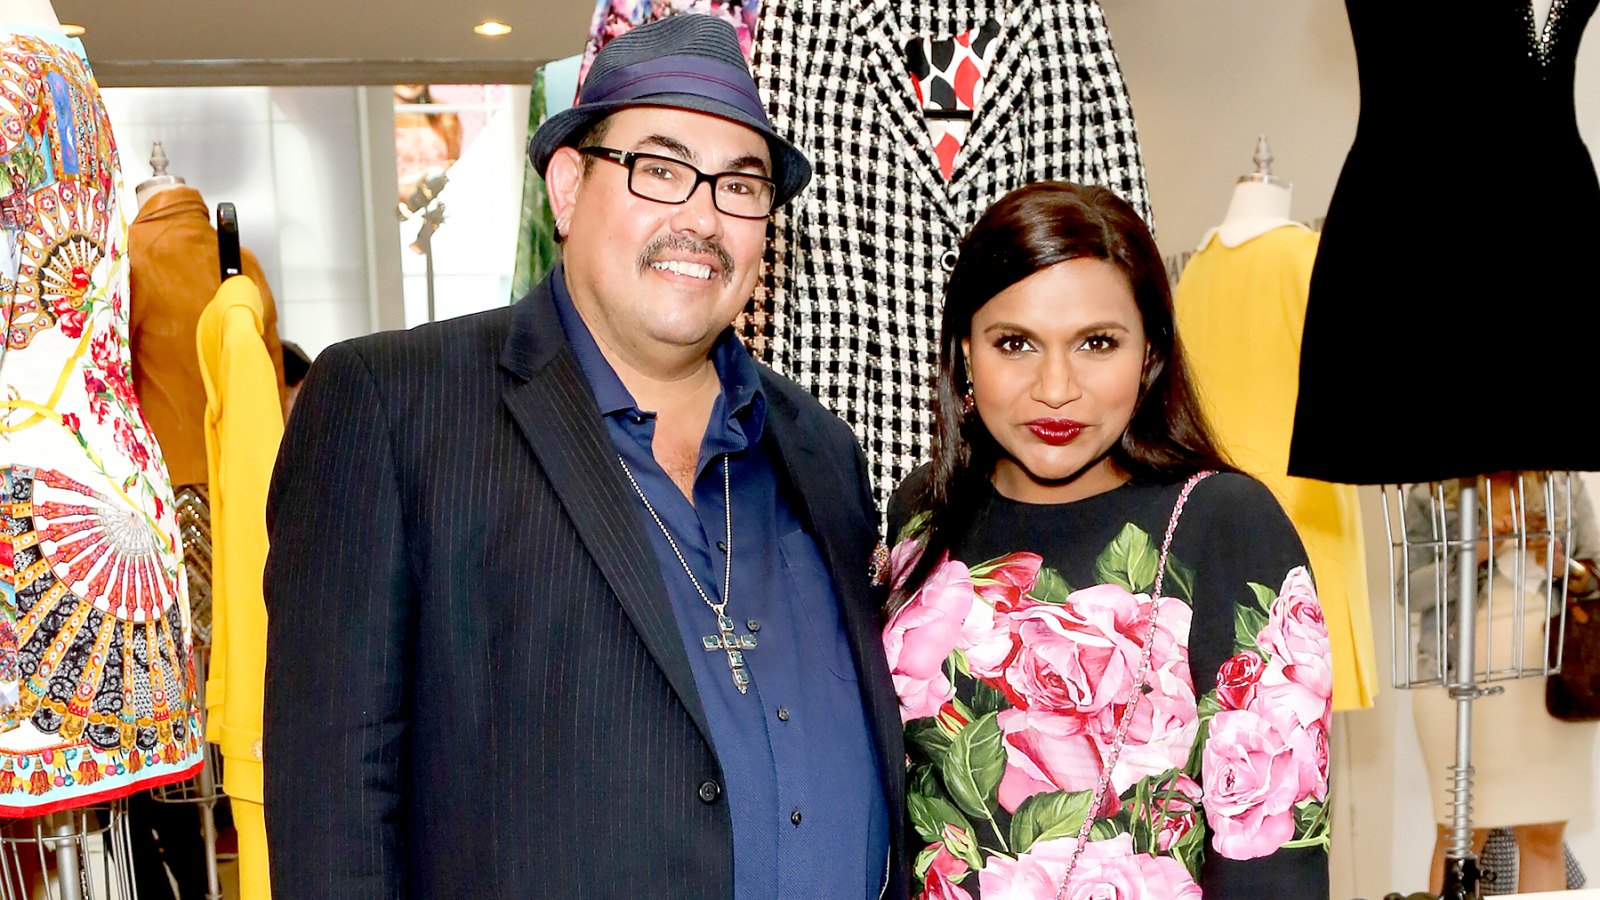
(667, 180)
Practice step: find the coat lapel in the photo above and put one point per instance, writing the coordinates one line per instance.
(818, 483)
(555, 410)
(1008, 82)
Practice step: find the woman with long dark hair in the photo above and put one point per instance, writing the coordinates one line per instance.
(1112, 666)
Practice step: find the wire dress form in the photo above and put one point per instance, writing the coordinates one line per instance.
(1491, 112)
(1462, 627)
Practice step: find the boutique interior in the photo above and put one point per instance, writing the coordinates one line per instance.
(374, 156)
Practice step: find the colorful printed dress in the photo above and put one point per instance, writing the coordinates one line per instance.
(96, 680)
(1015, 659)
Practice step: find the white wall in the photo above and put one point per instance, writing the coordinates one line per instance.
(290, 160)
(1205, 79)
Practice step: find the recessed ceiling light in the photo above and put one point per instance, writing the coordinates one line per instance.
(73, 30)
(491, 28)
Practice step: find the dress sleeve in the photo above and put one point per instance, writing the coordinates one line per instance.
(1263, 674)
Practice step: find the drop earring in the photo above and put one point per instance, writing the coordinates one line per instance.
(968, 402)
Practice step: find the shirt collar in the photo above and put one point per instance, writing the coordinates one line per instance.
(743, 402)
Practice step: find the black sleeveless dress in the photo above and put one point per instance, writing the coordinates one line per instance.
(1452, 315)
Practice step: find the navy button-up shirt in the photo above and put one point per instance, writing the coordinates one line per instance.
(798, 761)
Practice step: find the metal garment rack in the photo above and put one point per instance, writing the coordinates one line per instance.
(1462, 556)
(60, 850)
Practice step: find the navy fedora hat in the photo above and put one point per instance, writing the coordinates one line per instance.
(690, 62)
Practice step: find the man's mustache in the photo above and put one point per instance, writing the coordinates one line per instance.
(680, 244)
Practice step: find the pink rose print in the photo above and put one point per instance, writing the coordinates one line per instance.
(1299, 673)
(1172, 817)
(131, 446)
(1253, 768)
(1107, 870)
(1163, 729)
(1005, 586)
(902, 559)
(940, 887)
(71, 319)
(921, 635)
(1081, 657)
(1236, 680)
(944, 862)
(1047, 752)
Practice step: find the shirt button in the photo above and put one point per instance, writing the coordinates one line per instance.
(723, 546)
(753, 625)
(709, 791)
(795, 818)
(948, 260)
(783, 714)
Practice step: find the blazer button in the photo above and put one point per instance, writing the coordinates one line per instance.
(709, 791)
(948, 260)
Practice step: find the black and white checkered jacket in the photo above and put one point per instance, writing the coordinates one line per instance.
(856, 269)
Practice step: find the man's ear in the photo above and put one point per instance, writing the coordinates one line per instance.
(562, 179)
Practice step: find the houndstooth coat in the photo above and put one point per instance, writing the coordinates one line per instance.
(856, 268)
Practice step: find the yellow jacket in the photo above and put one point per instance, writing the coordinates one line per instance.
(244, 424)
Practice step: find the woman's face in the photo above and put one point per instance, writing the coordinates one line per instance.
(1055, 362)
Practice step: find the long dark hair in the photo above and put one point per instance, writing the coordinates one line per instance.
(1030, 229)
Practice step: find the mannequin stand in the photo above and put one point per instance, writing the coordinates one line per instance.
(1460, 668)
(61, 848)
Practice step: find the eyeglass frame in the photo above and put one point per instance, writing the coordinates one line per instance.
(626, 159)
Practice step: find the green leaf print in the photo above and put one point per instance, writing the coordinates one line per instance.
(921, 779)
(973, 765)
(1044, 817)
(1130, 560)
(926, 740)
(1247, 623)
(1311, 827)
(1180, 580)
(986, 699)
(931, 814)
(1105, 829)
(914, 527)
(1265, 596)
(1050, 588)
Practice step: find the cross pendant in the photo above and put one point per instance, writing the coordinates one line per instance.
(734, 645)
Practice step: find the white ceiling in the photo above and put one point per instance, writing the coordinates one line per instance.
(233, 42)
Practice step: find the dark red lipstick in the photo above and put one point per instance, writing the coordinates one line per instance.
(1055, 432)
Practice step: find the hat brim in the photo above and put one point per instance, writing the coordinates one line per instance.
(791, 169)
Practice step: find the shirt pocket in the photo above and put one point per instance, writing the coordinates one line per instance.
(822, 636)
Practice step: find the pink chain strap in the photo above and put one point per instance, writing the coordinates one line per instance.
(1138, 685)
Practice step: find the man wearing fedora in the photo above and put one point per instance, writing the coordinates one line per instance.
(573, 598)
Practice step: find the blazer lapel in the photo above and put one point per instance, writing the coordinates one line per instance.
(822, 491)
(553, 407)
(895, 104)
(1008, 81)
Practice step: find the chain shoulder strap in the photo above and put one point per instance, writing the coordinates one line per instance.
(1139, 683)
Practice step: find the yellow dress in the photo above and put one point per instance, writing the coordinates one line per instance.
(1240, 313)
(244, 424)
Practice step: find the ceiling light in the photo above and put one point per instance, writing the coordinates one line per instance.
(491, 28)
(72, 30)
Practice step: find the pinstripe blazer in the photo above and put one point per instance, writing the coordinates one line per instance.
(475, 685)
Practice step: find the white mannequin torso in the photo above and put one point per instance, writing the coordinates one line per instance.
(30, 13)
(1257, 207)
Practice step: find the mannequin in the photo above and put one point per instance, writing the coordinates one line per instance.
(28, 14)
(1240, 305)
(159, 180)
(1260, 203)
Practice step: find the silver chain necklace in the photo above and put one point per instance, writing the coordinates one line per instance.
(734, 645)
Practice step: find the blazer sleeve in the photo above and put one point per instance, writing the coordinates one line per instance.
(341, 620)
